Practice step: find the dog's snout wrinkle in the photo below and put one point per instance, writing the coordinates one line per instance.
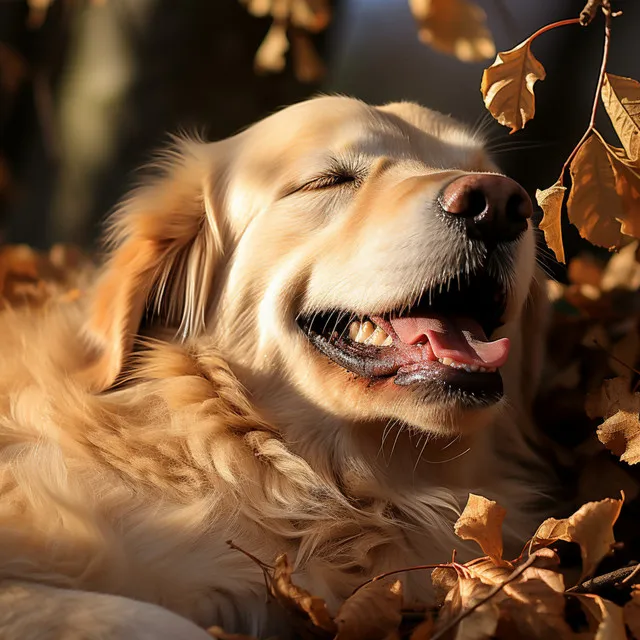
(495, 208)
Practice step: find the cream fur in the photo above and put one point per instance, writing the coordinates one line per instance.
(179, 406)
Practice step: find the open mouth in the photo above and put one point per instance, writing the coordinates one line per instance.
(443, 340)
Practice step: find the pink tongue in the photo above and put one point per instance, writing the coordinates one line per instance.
(459, 338)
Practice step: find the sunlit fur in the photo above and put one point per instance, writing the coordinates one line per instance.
(178, 405)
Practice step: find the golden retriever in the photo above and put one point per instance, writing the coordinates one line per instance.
(315, 337)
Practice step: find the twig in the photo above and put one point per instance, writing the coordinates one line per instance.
(624, 364)
(630, 579)
(516, 574)
(421, 567)
(616, 578)
(553, 25)
(262, 565)
(596, 99)
(589, 11)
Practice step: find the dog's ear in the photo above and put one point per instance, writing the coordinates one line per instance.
(165, 242)
(534, 325)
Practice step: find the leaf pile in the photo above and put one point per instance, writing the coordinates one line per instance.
(489, 597)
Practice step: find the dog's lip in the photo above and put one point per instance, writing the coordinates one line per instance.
(461, 356)
(380, 364)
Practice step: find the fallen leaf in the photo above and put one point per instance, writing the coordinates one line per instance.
(621, 435)
(607, 616)
(372, 612)
(594, 206)
(591, 527)
(297, 599)
(481, 623)
(631, 613)
(507, 86)
(550, 201)
(455, 27)
(481, 521)
(621, 99)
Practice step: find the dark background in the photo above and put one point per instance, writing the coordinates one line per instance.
(107, 81)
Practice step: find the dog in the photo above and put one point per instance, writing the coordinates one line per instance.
(315, 337)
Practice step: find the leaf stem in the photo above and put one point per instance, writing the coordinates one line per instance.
(516, 574)
(549, 27)
(421, 567)
(606, 10)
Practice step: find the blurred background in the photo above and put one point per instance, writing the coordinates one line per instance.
(90, 88)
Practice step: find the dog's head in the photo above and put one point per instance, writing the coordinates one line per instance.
(369, 261)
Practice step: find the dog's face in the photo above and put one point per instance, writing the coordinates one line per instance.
(369, 260)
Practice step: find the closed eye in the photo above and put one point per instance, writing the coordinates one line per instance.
(328, 181)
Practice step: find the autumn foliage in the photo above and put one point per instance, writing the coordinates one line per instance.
(604, 197)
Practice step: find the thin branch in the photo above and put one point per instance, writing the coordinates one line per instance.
(617, 578)
(262, 565)
(624, 364)
(589, 11)
(420, 567)
(516, 574)
(596, 99)
(553, 25)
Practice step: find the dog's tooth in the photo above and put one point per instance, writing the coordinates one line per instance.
(377, 337)
(447, 361)
(354, 327)
(388, 342)
(474, 367)
(366, 329)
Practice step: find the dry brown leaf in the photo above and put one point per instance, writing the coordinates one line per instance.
(550, 201)
(270, 56)
(297, 599)
(481, 521)
(507, 86)
(607, 616)
(372, 612)
(594, 206)
(482, 622)
(455, 27)
(621, 435)
(591, 527)
(631, 613)
(627, 184)
(531, 605)
(621, 99)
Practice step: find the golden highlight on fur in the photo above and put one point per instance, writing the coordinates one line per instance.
(178, 404)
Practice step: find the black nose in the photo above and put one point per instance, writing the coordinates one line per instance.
(495, 208)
